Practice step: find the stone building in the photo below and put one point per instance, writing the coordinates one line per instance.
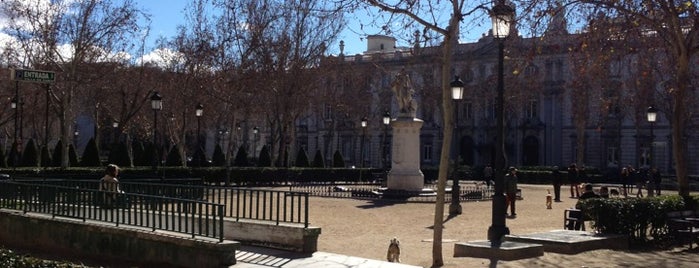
(540, 102)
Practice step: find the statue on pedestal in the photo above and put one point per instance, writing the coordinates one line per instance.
(404, 91)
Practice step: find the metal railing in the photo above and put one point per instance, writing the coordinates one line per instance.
(467, 191)
(195, 217)
(240, 203)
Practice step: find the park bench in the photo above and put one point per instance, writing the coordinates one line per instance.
(683, 226)
(573, 220)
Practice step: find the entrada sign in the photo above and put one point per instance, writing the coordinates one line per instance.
(33, 76)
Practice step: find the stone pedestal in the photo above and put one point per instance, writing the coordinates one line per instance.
(405, 174)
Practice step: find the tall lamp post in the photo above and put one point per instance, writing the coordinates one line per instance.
(115, 136)
(502, 16)
(15, 105)
(652, 116)
(199, 111)
(365, 121)
(255, 131)
(457, 93)
(386, 122)
(156, 104)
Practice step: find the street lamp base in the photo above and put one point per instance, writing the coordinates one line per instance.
(455, 209)
(498, 229)
(455, 206)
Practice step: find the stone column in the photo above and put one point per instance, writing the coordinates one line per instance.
(405, 174)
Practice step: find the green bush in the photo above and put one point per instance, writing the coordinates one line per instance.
(635, 217)
(45, 156)
(174, 157)
(241, 158)
(30, 157)
(265, 159)
(57, 154)
(140, 157)
(218, 158)
(119, 155)
(302, 159)
(91, 155)
(72, 156)
(199, 158)
(318, 161)
(3, 159)
(14, 156)
(338, 161)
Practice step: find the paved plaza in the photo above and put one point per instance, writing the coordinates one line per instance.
(356, 233)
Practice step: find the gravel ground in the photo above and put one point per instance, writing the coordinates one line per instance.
(363, 228)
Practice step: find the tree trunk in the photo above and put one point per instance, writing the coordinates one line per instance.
(450, 40)
(678, 142)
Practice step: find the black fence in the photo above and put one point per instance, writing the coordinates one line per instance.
(195, 217)
(239, 203)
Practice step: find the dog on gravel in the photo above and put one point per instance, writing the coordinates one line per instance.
(548, 199)
(393, 254)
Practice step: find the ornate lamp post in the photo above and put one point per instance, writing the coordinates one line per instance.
(652, 116)
(457, 93)
(502, 16)
(386, 122)
(156, 104)
(199, 111)
(365, 122)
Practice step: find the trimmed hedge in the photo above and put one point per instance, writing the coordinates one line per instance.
(638, 218)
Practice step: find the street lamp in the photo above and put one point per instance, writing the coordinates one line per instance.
(502, 16)
(652, 116)
(457, 93)
(386, 122)
(115, 127)
(365, 122)
(156, 104)
(199, 111)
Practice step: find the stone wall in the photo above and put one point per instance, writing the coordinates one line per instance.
(98, 241)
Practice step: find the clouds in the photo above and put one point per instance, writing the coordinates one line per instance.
(24, 41)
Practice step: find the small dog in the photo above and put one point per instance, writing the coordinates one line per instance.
(549, 199)
(393, 254)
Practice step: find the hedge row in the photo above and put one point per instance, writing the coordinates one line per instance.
(639, 218)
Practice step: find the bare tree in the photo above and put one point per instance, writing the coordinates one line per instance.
(69, 36)
(674, 25)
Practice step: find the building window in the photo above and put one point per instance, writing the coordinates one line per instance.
(427, 152)
(466, 111)
(490, 110)
(532, 109)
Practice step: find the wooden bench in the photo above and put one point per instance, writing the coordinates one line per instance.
(683, 226)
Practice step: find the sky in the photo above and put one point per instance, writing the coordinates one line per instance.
(167, 14)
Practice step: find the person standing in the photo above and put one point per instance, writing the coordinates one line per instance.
(625, 176)
(574, 180)
(488, 174)
(511, 191)
(556, 184)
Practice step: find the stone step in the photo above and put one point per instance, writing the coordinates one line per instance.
(572, 242)
(506, 251)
